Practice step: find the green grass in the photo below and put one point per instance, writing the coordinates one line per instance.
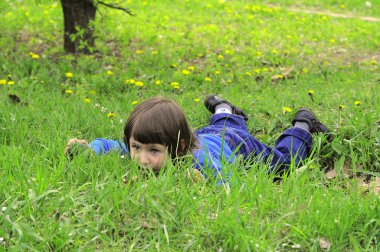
(233, 48)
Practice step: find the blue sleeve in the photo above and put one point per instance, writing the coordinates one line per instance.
(103, 146)
(213, 153)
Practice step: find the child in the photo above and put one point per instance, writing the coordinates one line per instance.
(157, 131)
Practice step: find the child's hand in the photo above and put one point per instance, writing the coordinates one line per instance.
(75, 146)
(195, 176)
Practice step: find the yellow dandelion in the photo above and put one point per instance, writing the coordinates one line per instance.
(134, 102)
(373, 62)
(185, 72)
(259, 54)
(11, 83)
(34, 56)
(286, 109)
(139, 52)
(111, 114)
(256, 70)
(305, 70)
(3, 82)
(342, 6)
(248, 73)
(341, 107)
(357, 103)
(173, 65)
(265, 69)
(139, 84)
(68, 91)
(228, 52)
(332, 41)
(109, 72)
(197, 100)
(132, 81)
(208, 79)
(174, 84)
(158, 82)
(69, 75)
(217, 72)
(229, 81)
(310, 92)
(277, 77)
(154, 52)
(274, 51)
(220, 57)
(176, 87)
(87, 100)
(191, 68)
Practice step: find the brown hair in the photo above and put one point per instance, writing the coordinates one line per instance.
(160, 120)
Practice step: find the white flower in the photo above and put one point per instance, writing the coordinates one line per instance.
(13, 117)
(368, 4)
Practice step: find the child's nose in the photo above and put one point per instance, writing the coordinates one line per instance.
(144, 159)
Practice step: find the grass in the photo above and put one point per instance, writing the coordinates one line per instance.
(260, 56)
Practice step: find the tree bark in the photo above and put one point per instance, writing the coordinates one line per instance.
(78, 29)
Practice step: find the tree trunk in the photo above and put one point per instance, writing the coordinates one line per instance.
(78, 29)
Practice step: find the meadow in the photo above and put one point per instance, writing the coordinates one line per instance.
(268, 57)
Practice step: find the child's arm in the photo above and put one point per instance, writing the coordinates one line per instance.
(212, 156)
(104, 145)
(99, 146)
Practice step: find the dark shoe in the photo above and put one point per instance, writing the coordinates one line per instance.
(212, 101)
(315, 126)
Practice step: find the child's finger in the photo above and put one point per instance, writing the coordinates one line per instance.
(82, 141)
(195, 176)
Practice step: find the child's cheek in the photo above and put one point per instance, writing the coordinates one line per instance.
(161, 162)
(165, 159)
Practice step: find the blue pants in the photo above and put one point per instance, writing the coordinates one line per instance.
(294, 143)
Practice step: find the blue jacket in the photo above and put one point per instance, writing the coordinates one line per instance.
(212, 152)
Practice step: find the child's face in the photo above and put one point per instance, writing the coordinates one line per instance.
(152, 156)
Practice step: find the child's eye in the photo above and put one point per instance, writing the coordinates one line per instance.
(136, 147)
(154, 151)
